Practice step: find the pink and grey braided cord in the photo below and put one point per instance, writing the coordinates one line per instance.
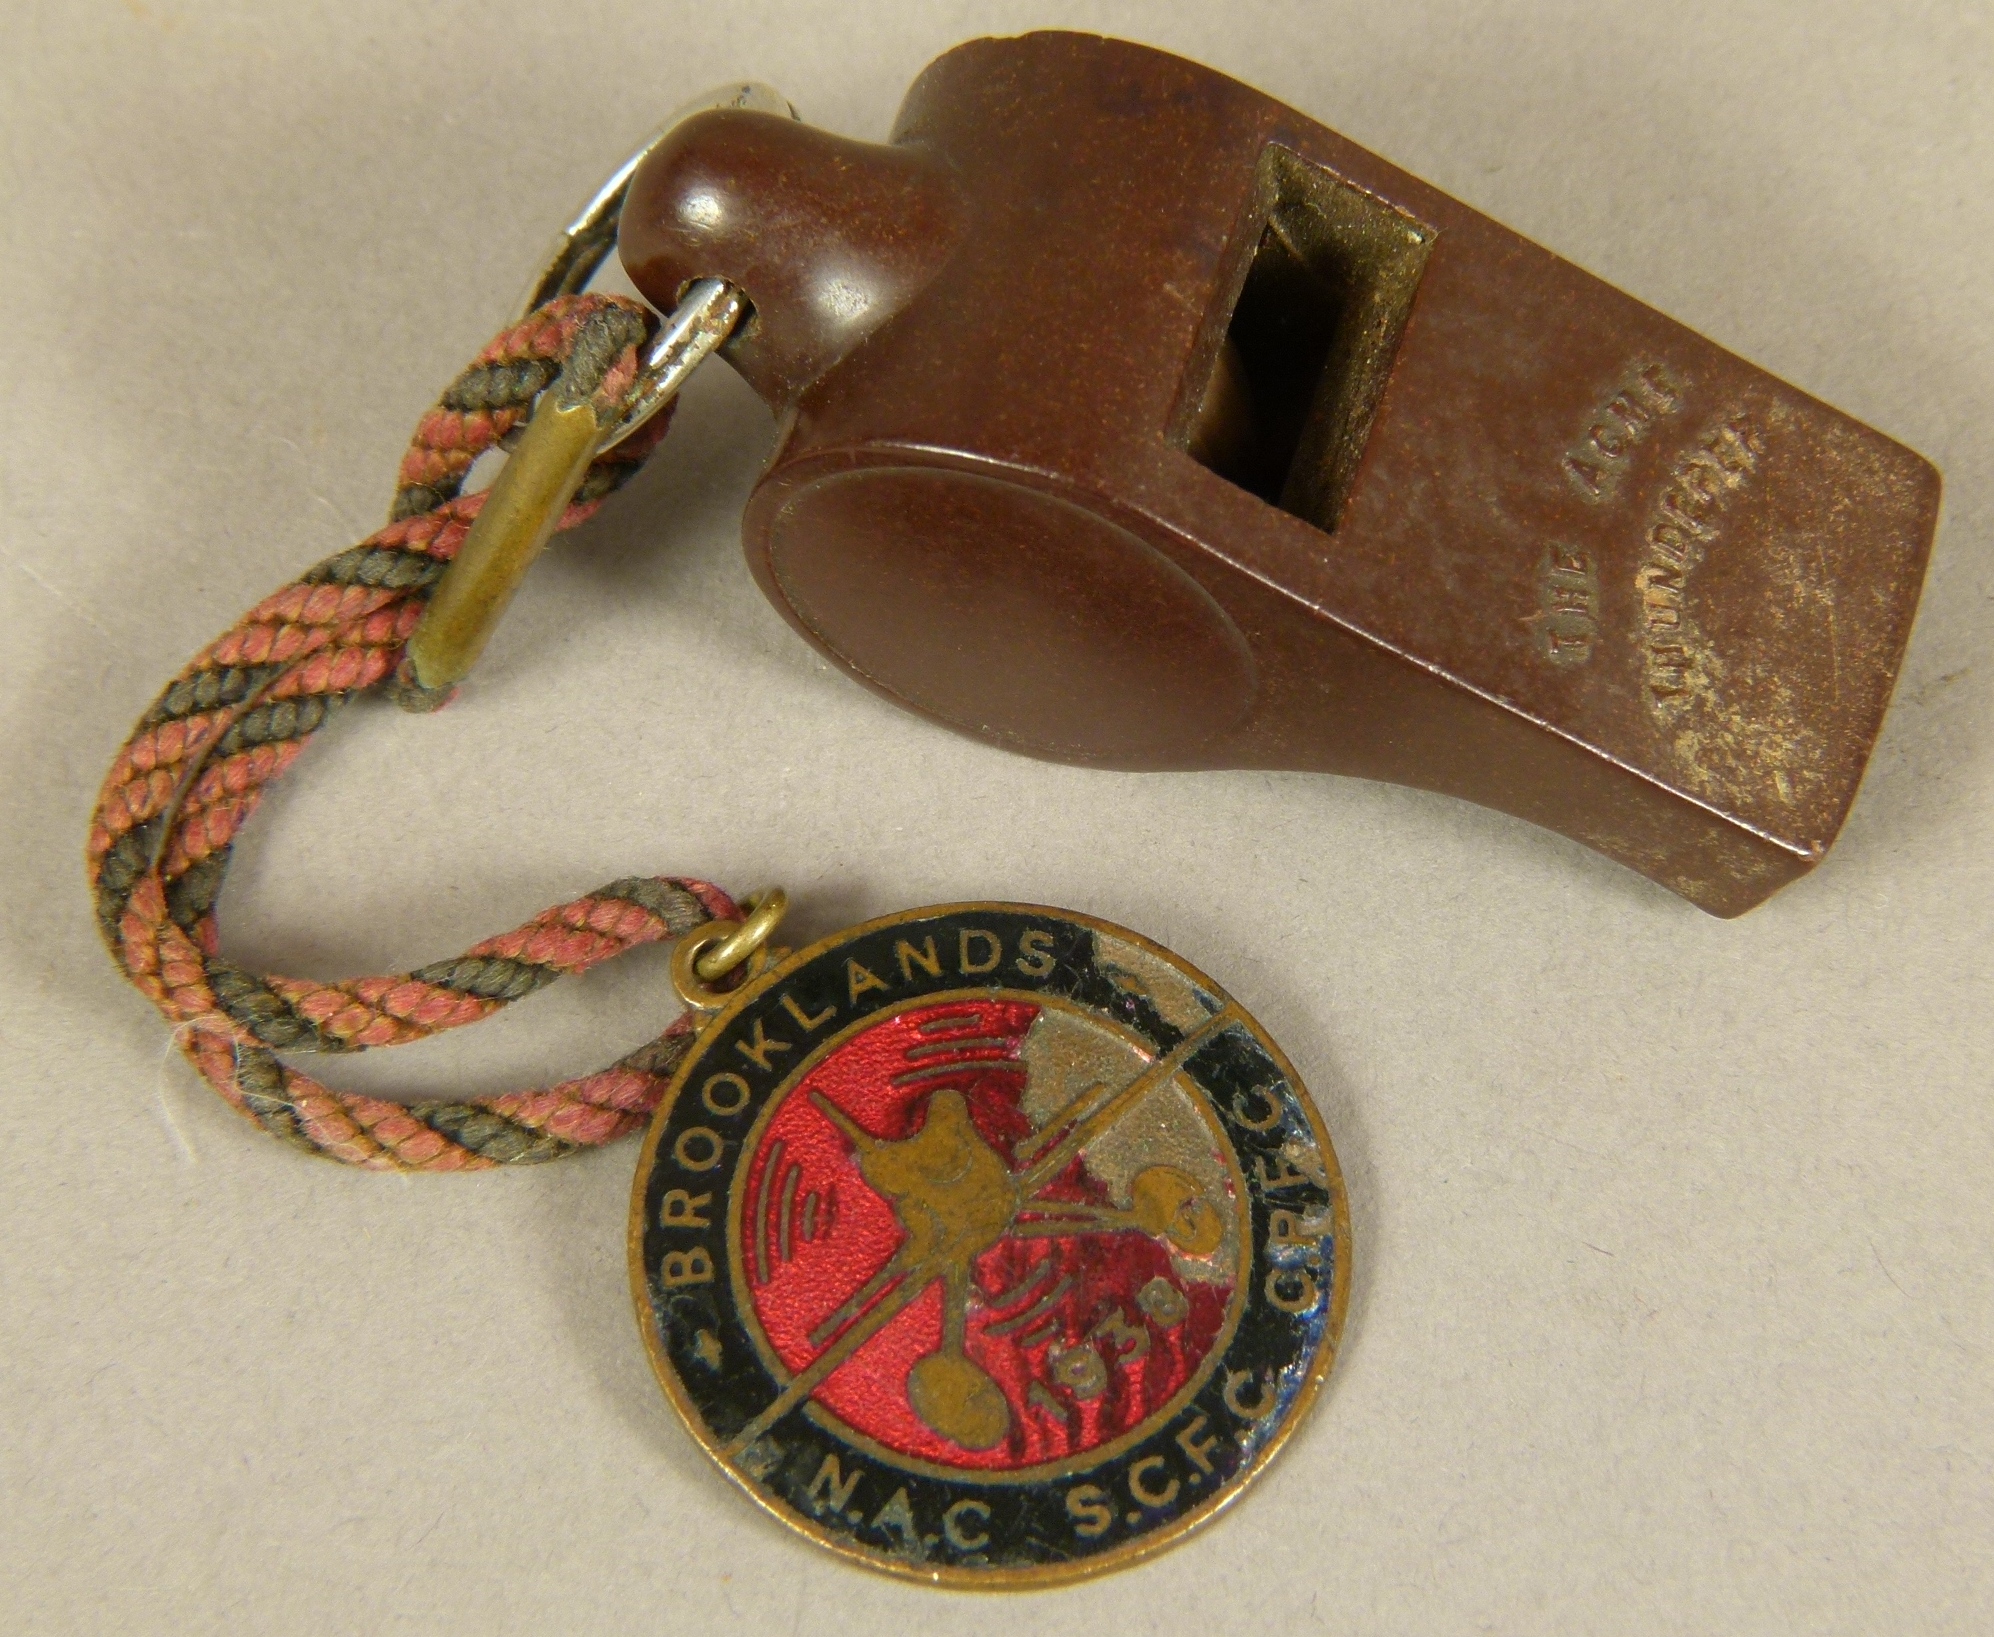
(236, 718)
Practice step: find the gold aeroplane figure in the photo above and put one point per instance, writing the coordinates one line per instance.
(955, 1197)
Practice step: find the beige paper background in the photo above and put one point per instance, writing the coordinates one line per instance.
(1674, 1308)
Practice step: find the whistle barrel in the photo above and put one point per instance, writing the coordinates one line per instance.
(1128, 418)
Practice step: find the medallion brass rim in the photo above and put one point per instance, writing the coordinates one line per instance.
(1036, 1576)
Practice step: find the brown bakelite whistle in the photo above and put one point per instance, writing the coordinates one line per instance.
(1132, 419)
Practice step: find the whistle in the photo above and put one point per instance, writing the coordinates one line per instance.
(1131, 419)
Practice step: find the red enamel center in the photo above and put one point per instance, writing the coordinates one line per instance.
(896, 1161)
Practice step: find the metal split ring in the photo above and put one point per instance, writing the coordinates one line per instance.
(555, 450)
(708, 311)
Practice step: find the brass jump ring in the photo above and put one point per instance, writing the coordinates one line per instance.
(766, 910)
(707, 955)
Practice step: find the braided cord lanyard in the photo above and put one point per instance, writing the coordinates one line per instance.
(236, 718)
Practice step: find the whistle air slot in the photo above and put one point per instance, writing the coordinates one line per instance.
(1310, 340)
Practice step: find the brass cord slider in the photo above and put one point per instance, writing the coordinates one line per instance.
(566, 432)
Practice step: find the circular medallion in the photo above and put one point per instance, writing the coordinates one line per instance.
(989, 1244)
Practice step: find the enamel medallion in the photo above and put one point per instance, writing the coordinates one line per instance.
(989, 1244)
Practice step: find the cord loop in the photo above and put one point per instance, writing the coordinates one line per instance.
(236, 718)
